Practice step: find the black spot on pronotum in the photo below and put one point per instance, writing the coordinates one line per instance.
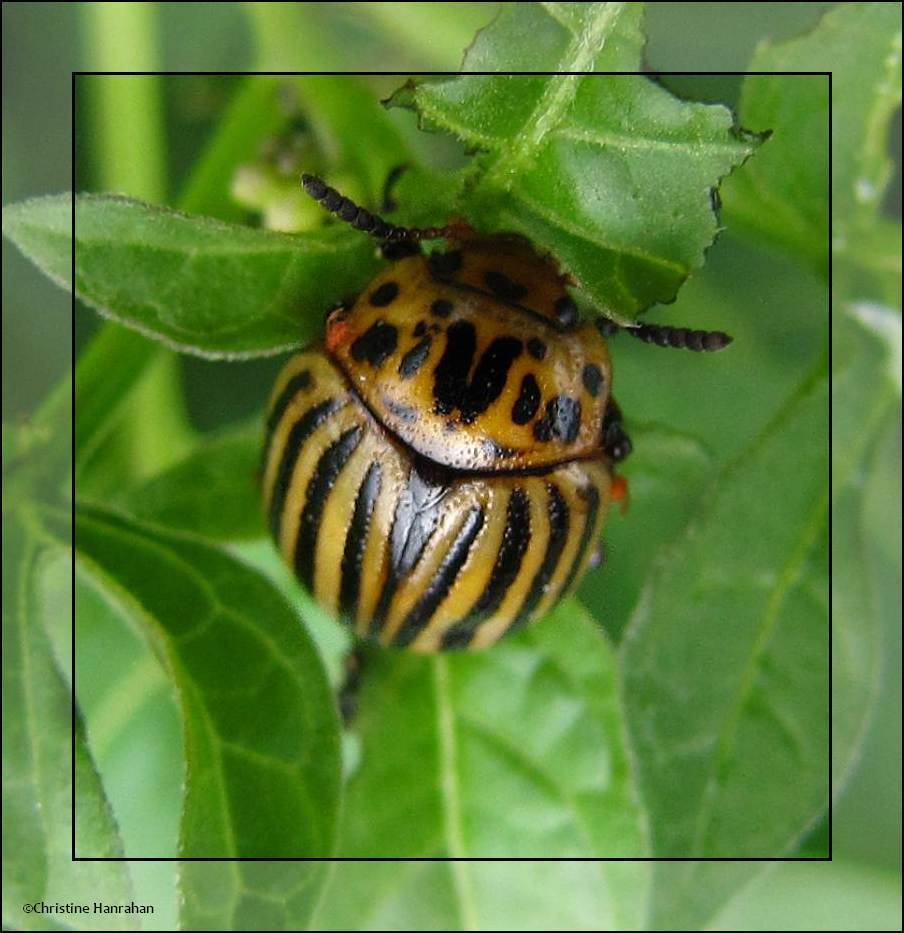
(528, 401)
(566, 312)
(420, 329)
(451, 373)
(592, 378)
(489, 377)
(536, 348)
(384, 295)
(503, 287)
(441, 307)
(376, 344)
(413, 360)
(562, 420)
(444, 265)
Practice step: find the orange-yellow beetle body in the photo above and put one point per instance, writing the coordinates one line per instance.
(436, 472)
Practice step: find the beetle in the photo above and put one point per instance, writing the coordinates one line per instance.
(438, 470)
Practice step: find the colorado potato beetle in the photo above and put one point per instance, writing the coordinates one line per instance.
(437, 473)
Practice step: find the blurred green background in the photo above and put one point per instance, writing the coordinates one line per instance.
(44, 42)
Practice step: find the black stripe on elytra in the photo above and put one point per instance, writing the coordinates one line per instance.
(591, 496)
(457, 636)
(321, 483)
(356, 541)
(298, 382)
(445, 578)
(414, 359)
(301, 431)
(515, 540)
(528, 401)
(489, 377)
(416, 516)
(450, 378)
(558, 536)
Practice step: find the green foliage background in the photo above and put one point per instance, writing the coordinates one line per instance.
(679, 706)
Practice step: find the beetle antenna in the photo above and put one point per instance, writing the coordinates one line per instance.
(361, 219)
(680, 338)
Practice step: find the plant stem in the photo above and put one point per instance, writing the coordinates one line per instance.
(126, 121)
(127, 110)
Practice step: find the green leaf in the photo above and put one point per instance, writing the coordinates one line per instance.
(342, 111)
(213, 492)
(726, 668)
(257, 709)
(37, 788)
(514, 752)
(253, 114)
(667, 473)
(610, 173)
(865, 398)
(198, 285)
(861, 44)
(436, 33)
(266, 895)
(816, 896)
(783, 195)
(130, 419)
(132, 717)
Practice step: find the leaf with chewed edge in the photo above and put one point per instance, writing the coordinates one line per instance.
(609, 172)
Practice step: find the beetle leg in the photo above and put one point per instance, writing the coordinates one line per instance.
(351, 685)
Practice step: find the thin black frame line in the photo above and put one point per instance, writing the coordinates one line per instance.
(74, 715)
(441, 74)
(649, 74)
(831, 491)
